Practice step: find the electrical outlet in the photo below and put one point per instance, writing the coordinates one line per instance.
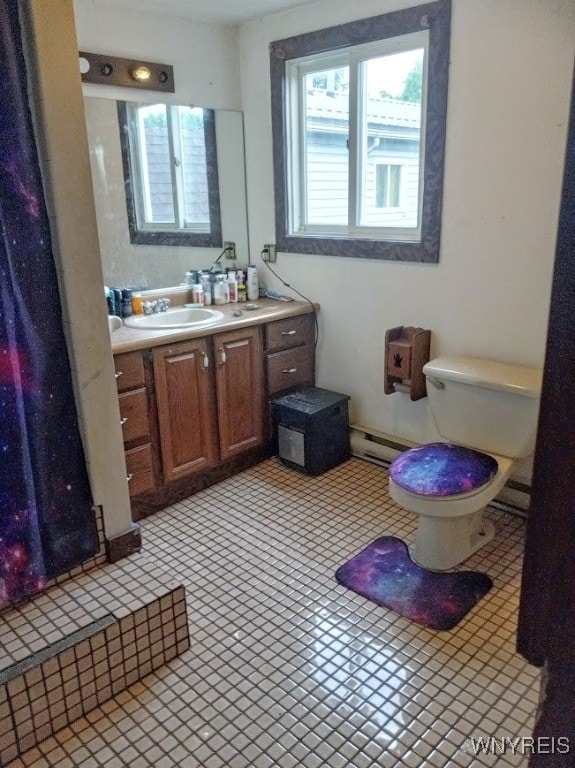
(270, 253)
(230, 250)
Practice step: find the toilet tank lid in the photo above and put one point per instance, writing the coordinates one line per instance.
(490, 374)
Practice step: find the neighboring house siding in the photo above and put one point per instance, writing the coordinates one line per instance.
(158, 159)
(406, 214)
(327, 180)
(195, 175)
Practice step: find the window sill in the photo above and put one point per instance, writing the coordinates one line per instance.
(396, 250)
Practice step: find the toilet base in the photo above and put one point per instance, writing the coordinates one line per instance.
(444, 542)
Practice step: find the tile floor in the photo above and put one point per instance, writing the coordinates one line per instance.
(288, 669)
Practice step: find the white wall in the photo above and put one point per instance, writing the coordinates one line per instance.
(510, 80)
(204, 56)
(206, 73)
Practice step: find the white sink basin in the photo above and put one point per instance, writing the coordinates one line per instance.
(181, 317)
(114, 323)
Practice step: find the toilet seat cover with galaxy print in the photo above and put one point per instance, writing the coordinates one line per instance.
(442, 469)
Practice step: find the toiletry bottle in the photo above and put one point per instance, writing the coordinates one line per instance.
(252, 283)
(232, 286)
(117, 301)
(109, 300)
(137, 304)
(198, 294)
(207, 286)
(219, 289)
(126, 302)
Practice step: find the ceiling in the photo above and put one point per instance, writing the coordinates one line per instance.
(214, 11)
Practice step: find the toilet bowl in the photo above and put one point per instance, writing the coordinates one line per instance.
(451, 527)
(487, 413)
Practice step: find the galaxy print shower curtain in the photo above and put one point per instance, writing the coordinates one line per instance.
(47, 523)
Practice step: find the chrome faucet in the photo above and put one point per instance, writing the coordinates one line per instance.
(163, 305)
(152, 307)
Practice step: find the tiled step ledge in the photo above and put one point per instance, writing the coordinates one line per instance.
(77, 645)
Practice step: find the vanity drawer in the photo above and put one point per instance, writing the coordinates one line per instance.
(290, 332)
(140, 468)
(129, 371)
(134, 415)
(290, 368)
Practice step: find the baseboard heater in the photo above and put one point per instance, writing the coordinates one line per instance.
(381, 448)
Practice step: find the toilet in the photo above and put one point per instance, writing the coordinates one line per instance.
(486, 411)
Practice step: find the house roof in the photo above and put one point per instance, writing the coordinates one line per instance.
(384, 111)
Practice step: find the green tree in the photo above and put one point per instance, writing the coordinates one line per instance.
(413, 85)
(192, 120)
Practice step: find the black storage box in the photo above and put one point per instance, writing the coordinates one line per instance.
(311, 425)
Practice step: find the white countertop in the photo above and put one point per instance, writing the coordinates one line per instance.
(130, 339)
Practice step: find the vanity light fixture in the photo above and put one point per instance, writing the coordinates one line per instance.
(113, 70)
(141, 74)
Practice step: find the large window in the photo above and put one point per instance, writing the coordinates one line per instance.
(171, 174)
(359, 126)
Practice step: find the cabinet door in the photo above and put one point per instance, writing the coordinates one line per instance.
(239, 376)
(186, 407)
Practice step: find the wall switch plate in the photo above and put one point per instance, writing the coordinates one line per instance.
(270, 253)
(230, 250)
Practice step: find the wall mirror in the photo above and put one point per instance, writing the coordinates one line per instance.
(161, 259)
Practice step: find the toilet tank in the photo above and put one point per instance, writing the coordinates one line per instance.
(484, 404)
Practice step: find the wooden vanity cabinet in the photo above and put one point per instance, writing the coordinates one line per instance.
(240, 390)
(196, 411)
(210, 400)
(184, 379)
(290, 353)
(137, 426)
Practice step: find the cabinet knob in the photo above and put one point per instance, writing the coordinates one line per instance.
(119, 373)
(205, 360)
(123, 421)
(222, 352)
(289, 370)
(289, 333)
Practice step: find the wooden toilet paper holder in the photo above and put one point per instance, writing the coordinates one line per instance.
(406, 352)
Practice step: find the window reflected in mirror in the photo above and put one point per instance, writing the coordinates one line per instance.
(171, 174)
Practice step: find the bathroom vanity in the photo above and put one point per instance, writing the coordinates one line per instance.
(194, 402)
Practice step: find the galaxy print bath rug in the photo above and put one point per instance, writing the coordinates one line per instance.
(385, 573)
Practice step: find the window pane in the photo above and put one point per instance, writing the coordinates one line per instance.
(387, 185)
(390, 139)
(196, 208)
(381, 181)
(158, 201)
(326, 99)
